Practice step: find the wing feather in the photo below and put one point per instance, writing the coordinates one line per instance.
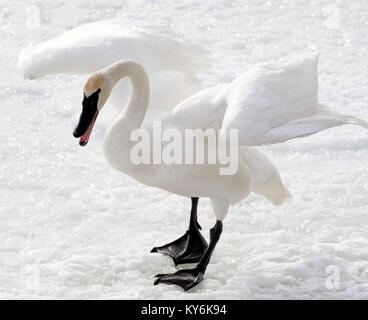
(277, 101)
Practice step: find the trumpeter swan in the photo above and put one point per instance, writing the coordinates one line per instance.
(270, 103)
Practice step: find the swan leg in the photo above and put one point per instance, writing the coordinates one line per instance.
(190, 247)
(188, 278)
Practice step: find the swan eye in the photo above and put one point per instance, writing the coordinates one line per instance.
(92, 98)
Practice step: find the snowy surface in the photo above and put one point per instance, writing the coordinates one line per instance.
(72, 227)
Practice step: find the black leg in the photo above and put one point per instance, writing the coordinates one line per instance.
(190, 247)
(215, 234)
(188, 278)
(193, 222)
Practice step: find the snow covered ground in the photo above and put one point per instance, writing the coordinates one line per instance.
(72, 227)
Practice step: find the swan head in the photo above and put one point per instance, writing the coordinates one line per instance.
(96, 92)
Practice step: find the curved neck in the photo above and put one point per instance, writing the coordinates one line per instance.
(139, 98)
(117, 142)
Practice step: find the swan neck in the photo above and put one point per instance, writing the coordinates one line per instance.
(117, 143)
(138, 102)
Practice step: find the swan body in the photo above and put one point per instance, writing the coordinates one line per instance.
(172, 62)
(273, 108)
(270, 103)
(253, 171)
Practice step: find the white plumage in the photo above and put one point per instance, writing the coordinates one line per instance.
(270, 103)
(171, 61)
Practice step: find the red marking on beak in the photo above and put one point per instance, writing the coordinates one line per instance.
(84, 139)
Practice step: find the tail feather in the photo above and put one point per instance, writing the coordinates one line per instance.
(274, 190)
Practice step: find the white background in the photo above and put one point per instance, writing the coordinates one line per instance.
(72, 227)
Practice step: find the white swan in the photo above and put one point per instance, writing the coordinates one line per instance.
(172, 62)
(270, 103)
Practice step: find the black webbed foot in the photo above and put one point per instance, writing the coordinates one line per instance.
(189, 248)
(186, 278)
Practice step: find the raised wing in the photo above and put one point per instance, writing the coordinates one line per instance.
(275, 102)
(95, 45)
(171, 61)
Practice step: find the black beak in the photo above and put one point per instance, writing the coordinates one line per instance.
(87, 117)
